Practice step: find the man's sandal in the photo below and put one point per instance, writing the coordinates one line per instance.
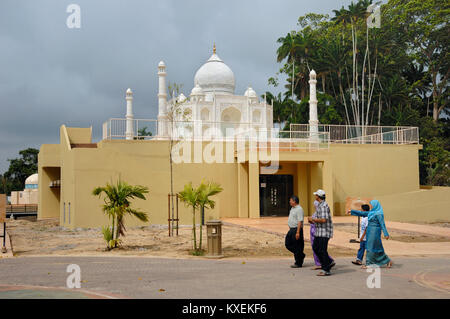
(322, 273)
(357, 263)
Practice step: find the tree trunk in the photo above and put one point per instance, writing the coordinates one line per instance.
(194, 230)
(113, 233)
(379, 109)
(293, 70)
(202, 209)
(323, 83)
(171, 181)
(435, 107)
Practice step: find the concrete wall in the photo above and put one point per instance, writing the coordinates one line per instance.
(78, 135)
(25, 197)
(373, 171)
(49, 163)
(425, 205)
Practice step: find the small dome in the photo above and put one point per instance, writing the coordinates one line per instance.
(215, 76)
(250, 93)
(32, 180)
(181, 98)
(161, 63)
(129, 92)
(197, 90)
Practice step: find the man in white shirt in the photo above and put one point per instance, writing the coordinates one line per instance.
(294, 241)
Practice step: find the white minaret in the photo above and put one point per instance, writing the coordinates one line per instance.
(313, 121)
(129, 132)
(162, 100)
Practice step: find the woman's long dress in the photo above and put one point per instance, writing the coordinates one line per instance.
(375, 251)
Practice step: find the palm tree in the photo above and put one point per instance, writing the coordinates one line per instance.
(205, 191)
(190, 197)
(280, 107)
(353, 15)
(332, 56)
(288, 49)
(395, 91)
(118, 204)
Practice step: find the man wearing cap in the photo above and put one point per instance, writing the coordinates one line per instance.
(294, 238)
(323, 232)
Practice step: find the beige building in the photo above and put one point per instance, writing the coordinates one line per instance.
(258, 166)
(387, 172)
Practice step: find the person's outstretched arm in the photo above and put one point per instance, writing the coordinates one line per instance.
(359, 213)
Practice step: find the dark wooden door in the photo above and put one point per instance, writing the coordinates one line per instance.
(274, 193)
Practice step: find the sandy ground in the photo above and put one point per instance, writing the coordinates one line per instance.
(400, 235)
(440, 224)
(46, 237)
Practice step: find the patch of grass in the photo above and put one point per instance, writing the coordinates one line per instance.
(197, 252)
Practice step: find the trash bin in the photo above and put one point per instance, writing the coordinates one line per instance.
(214, 232)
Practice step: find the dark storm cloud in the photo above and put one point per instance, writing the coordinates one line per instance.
(51, 75)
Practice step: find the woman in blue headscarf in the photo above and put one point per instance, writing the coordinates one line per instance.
(375, 251)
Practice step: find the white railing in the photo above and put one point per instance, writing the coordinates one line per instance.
(300, 136)
(403, 136)
(365, 134)
(283, 140)
(115, 128)
(142, 129)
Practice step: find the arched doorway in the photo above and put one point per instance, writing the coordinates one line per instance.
(230, 119)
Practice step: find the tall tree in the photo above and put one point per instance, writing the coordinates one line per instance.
(19, 169)
(425, 26)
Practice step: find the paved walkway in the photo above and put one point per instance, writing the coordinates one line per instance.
(41, 292)
(342, 239)
(45, 277)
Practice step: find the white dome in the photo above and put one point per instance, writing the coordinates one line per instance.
(250, 93)
(197, 90)
(215, 76)
(32, 180)
(181, 98)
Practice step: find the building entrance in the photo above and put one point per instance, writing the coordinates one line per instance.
(274, 193)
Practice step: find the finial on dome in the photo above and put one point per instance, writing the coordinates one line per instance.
(214, 48)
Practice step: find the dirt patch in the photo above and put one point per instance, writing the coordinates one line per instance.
(396, 234)
(439, 224)
(46, 237)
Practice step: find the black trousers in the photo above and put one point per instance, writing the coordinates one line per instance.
(295, 246)
(320, 248)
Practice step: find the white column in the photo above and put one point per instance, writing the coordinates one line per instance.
(129, 132)
(313, 121)
(162, 100)
(196, 117)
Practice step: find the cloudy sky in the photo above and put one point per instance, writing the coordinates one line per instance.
(52, 75)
